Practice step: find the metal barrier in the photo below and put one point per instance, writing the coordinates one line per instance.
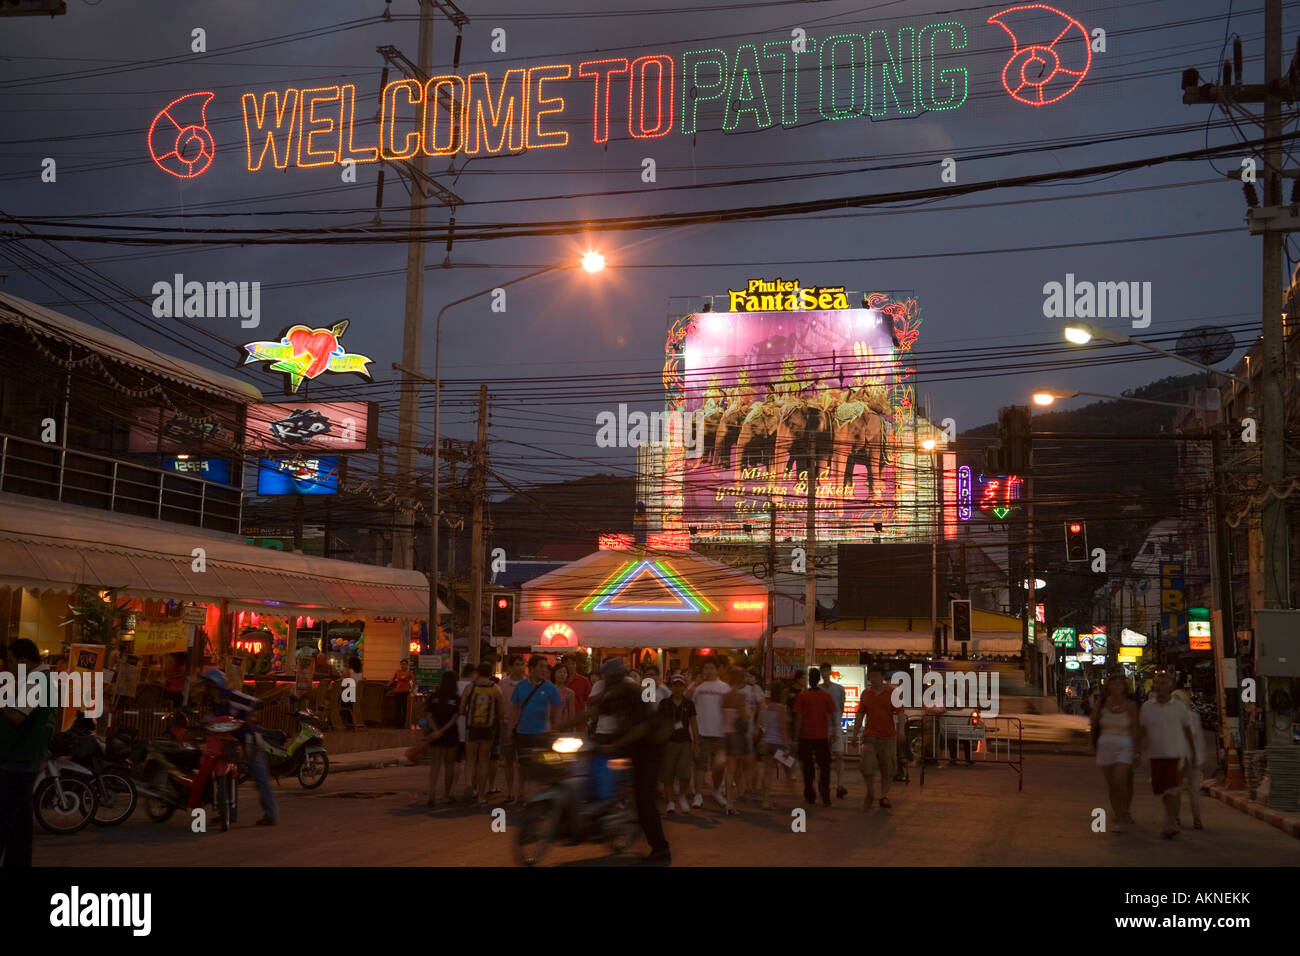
(996, 740)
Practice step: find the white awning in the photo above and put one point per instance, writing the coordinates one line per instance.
(586, 633)
(47, 546)
(910, 642)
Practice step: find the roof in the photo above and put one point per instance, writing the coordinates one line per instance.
(44, 545)
(668, 634)
(996, 642)
(56, 325)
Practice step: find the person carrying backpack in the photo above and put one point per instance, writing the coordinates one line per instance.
(25, 733)
(481, 706)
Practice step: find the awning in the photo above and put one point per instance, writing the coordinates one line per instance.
(910, 642)
(56, 325)
(639, 634)
(46, 546)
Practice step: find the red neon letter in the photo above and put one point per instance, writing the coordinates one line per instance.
(602, 70)
(309, 125)
(536, 77)
(347, 119)
(388, 122)
(288, 111)
(505, 117)
(189, 152)
(455, 114)
(636, 103)
(1042, 73)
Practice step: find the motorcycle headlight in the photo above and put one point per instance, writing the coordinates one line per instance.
(567, 745)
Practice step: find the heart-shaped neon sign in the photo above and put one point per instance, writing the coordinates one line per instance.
(304, 353)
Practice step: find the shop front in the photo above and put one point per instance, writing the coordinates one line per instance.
(644, 606)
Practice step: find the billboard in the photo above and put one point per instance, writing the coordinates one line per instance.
(163, 430)
(314, 426)
(209, 469)
(298, 476)
(780, 383)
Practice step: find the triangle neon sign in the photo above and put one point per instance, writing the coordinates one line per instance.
(1001, 512)
(646, 586)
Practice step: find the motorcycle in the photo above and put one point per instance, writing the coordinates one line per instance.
(115, 794)
(64, 798)
(582, 800)
(173, 772)
(304, 756)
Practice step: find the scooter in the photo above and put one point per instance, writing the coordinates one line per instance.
(304, 756)
(582, 800)
(64, 798)
(115, 794)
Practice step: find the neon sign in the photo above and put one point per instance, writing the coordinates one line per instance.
(614, 542)
(784, 295)
(305, 353)
(999, 495)
(964, 487)
(901, 72)
(655, 588)
(560, 635)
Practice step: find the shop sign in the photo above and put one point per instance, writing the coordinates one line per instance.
(161, 636)
(1199, 630)
(195, 614)
(300, 475)
(1173, 609)
(209, 469)
(785, 295)
(1130, 655)
(1064, 636)
(303, 353)
(304, 426)
(1131, 638)
(558, 635)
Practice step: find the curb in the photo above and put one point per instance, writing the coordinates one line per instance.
(368, 765)
(1239, 800)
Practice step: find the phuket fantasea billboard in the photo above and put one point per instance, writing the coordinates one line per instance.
(792, 374)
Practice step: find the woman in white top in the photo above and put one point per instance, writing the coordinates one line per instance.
(1115, 731)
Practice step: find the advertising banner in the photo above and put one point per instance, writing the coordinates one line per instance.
(84, 659)
(160, 636)
(209, 469)
(311, 426)
(298, 476)
(1173, 607)
(163, 431)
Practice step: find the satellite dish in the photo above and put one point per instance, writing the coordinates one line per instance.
(1206, 344)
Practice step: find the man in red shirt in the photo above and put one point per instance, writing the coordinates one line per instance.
(580, 686)
(878, 746)
(812, 721)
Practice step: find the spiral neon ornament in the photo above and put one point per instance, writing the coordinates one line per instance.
(179, 147)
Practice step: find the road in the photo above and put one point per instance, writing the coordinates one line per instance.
(970, 816)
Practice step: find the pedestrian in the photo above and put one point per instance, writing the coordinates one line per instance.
(25, 732)
(774, 730)
(174, 675)
(679, 751)
(505, 748)
(662, 692)
(536, 705)
(1115, 738)
(481, 709)
(735, 724)
(442, 707)
(641, 734)
(710, 761)
(876, 731)
(837, 726)
(568, 699)
(755, 698)
(1166, 738)
(812, 722)
(578, 683)
(1193, 769)
(468, 673)
(401, 687)
(348, 707)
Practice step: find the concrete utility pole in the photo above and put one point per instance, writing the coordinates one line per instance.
(409, 409)
(476, 542)
(770, 641)
(810, 570)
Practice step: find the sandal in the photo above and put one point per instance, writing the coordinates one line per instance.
(1169, 834)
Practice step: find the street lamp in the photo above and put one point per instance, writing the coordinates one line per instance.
(1045, 397)
(1081, 333)
(592, 262)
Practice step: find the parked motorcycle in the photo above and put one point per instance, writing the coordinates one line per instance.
(64, 798)
(304, 756)
(115, 795)
(582, 800)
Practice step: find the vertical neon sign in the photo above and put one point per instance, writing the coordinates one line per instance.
(964, 490)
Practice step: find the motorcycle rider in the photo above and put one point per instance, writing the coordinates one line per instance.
(258, 767)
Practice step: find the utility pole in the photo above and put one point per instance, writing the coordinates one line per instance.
(476, 542)
(409, 409)
(771, 591)
(810, 569)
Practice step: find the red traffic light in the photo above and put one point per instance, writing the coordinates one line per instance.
(502, 603)
(1075, 527)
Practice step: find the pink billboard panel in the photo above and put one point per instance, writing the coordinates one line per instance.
(297, 426)
(158, 430)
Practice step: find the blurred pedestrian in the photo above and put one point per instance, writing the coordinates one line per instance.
(876, 731)
(679, 751)
(481, 708)
(25, 733)
(837, 726)
(1166, 738)
(536, 706)
(401, 687)
(735, 724)
(710, 753)
(1115, 739)
(578, 683)
(812, 716)
(774, 731)
(568, 699)
(443, 708)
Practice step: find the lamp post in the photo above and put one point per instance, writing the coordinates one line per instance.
(929, 445)
(591, 262)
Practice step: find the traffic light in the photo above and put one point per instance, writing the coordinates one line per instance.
(960, 611)
(1076, 541)
(503, 615)
(1014, 424)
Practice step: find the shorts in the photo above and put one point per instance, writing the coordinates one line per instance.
(1113, 749)
(530, 743)
(706, 752)
(1165, 775)
(879, 754)
(736, 744)
(837, 740)
(767, 748)
(678, 757)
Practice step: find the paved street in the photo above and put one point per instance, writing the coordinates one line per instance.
(964, 816)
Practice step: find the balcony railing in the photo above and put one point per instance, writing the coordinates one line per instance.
(46, 471)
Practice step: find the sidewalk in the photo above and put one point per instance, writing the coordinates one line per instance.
(368, 760)
(1288, 823)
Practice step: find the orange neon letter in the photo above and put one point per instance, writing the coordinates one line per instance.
(310, 125)
(388, 121)
(603, 72)
(347, 120)
(636, 89)
(505, 118)
(262, 121)
(455, 94)
(539, 106)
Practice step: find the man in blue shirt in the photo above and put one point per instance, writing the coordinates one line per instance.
(537, 706)
(25, 731)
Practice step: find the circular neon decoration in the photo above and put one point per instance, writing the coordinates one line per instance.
(1042, 73)
(181, 147)
(558, 635)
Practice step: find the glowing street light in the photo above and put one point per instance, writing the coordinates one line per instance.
(928, 444)
(1046, 398)
(593, 261)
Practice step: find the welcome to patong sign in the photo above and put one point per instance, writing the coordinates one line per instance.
(756, 85)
